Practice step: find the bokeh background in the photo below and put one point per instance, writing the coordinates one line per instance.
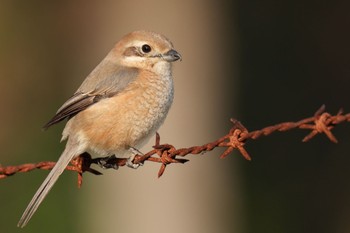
(262, 62)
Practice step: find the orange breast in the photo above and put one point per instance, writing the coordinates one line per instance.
(114, 124)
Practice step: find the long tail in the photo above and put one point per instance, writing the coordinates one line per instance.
(50, 180)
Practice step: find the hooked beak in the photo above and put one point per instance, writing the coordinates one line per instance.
(171, 55)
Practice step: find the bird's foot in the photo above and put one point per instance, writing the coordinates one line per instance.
(108, 162)
(130, 160)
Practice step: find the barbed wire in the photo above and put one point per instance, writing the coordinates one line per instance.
(321, 123)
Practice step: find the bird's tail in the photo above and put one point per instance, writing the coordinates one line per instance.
(50, 180)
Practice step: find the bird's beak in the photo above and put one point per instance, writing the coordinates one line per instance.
(171, 55)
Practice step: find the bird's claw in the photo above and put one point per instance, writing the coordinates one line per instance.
(108, 162)
(131, 164)
(130, 160)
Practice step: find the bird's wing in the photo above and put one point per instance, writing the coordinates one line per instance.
(106, 80)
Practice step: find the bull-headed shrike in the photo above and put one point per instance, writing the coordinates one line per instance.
(118, 107)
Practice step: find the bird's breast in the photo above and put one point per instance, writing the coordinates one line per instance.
(127, 119)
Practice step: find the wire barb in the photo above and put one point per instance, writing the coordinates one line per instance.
(321, 123)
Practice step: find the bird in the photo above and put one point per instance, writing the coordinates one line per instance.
(118, 107)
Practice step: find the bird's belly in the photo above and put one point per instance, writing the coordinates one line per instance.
(115, 124)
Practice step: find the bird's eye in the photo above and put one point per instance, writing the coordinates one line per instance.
(146, 48)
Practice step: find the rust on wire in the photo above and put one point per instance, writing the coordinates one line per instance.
(321, 123)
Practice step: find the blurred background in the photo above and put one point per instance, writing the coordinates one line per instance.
(262, 62)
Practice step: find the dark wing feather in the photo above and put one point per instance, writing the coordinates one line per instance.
(105, 81)
(75, 104)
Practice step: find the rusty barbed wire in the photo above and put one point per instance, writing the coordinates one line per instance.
(321, 123)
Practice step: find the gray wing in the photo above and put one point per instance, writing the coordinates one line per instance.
(106, 80)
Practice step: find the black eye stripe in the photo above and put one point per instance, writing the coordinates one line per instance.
(132, 51)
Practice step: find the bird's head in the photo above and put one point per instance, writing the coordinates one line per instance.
(145, 50)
